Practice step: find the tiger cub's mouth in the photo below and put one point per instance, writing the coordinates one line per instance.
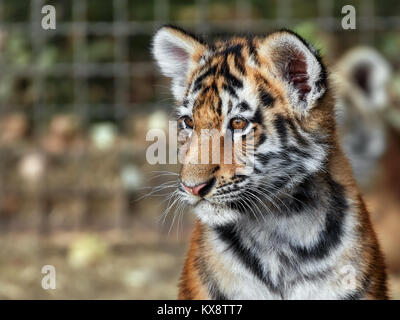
(214, 192)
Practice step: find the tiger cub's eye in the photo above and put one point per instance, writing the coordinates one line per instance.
(238, 123)
(188, 122)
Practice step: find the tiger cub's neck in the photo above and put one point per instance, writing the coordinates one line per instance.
(315, 242)
(310, 221)
(300, 248)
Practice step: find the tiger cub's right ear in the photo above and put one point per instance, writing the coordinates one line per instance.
(177, 53)
(299, 67)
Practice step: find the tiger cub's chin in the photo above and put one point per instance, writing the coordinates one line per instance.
(215, 215)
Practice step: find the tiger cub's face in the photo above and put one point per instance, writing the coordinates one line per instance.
(266, 90)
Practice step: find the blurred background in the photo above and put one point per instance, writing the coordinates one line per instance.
(76, 104)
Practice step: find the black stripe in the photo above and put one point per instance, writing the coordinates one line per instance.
(266, 99)
(185, 103)
(305, 196)
(265, 158)
(300, 153)
(299, 138)
(214, 87)
(262, 139)
(198, 82)
(243, 106)
(230, 90)
(252, 50)
(236, 50)
(330, 237)
(219, 106)
(229, 77)
(257, 171)
(283, 157)
(239, 64)
(257, 117)
(281, 129)
(230, 235)
(279, 183)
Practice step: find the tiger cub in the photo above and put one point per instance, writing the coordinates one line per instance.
(293, 227)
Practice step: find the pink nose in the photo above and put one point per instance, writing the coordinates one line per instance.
(196, 189)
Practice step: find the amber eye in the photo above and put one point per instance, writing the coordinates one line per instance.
(188, 122)
(238, 123)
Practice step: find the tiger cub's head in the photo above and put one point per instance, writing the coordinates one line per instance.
(269, 90)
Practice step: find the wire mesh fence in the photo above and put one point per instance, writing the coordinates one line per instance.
(75, 102)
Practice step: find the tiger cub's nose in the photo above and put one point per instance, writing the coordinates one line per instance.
(200, 189)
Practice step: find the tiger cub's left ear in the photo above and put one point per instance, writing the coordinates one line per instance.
(177, 53)
(298, 65)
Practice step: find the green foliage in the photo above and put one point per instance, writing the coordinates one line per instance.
(16, 11)
(304, 9)
(100, 49)
(101, 90)
(17, 49)
(389, 43)
(59, 90)
(100, 10)
(141, 10)
(310, 32)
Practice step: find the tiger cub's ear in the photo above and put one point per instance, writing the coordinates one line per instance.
(177, 53)
(298, 65)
